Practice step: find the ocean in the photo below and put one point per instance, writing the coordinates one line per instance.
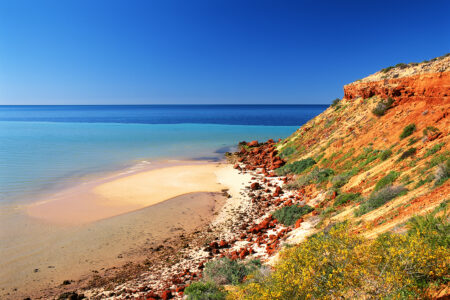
(43, 148)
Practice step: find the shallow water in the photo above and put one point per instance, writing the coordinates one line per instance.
(43, 148)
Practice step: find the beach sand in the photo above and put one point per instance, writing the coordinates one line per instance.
(108, 222)
(122, 194)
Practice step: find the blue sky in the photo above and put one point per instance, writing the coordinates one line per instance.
(207, 52)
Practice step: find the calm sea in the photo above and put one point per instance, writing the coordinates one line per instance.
(45, 147)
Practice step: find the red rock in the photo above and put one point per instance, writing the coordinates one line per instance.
(180, 289)
(255, 186)
(167, 294)
(223, 244)
(298, 223)
(252, 144)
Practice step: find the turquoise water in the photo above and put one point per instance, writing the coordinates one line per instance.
(38, 156)
(44, 148)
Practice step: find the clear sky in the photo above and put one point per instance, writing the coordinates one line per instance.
(207, 52)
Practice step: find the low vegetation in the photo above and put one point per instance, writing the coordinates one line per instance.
(385, 154)
(386, 180)
(227, 271)
(339, 264)
(379, 198)
(296, 167)
(382, 107)
(408, 153)
(408, 130)
(204, 290)
(288, 215)
(346, 197)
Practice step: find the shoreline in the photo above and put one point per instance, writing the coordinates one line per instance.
(125, 191)
(242, 227)
(129, 235)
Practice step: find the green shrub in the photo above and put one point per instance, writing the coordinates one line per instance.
(335, 102)
(226, 271)
(296, 167)
(339, 180)
(317, 175)
(436, 230)
(288, 215)
(386, 180)
(204, 291)
(385, 154)
(434, 149)
(421, 182)
(430, 129)
(288, 151)
(379, 198)
(347, 197)
(407, 153)
(382, 106)
(412, 141)
(408, 130)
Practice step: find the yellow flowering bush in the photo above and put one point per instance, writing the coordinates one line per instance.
(339, 264)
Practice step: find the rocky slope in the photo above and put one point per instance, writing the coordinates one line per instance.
(349, 139)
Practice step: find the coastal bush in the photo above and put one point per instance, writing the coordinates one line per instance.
(346, 197)
(407, 153)
(296, 167)
(335, 102)
(317, 175)
(434, 149)
(386, 180)
(379, 198)
(385, 154)
(288, 215)
(204, 291)
(412, 141)
(430, 129)
(338, 264)
(382, 106)
(339, 180)
(436, 230)
(288, 151)
(226, 271)
(408, 130)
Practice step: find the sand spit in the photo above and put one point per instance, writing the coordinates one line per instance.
(103, 199)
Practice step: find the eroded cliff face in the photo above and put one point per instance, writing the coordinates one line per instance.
(360, 147)
(431, 87)
(415, 82)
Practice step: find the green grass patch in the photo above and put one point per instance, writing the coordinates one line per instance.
(379, 198)
(227, 271)
(408, 130)
(386, 180)
(347, 197)
(385, 154)
(288, 151)
(296, 167)
(288, 215)
(205, 291)
(434, 149)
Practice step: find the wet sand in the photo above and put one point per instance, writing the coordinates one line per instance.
(46, 255)
(53, 241)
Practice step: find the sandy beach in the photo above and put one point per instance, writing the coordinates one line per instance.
(104, 198)
(108, 223)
